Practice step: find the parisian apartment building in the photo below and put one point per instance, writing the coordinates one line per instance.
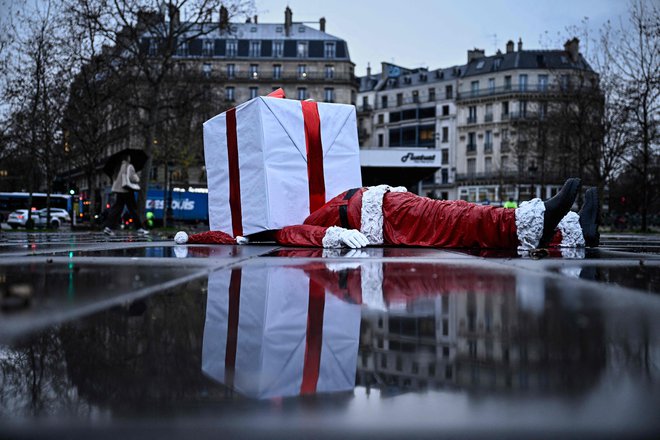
(469, 132)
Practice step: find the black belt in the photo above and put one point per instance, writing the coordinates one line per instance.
(343, 209)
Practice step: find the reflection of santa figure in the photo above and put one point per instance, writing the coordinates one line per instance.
(386, 215)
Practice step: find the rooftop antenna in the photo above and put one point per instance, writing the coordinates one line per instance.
(496, 41)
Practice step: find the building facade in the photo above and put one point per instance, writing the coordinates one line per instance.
(228, 64)
(491, 123)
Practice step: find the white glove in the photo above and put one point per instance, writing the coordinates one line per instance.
(353, 238)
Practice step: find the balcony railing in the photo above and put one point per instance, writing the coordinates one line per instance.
(283, 76)
(471, 149)
(488, 147)
(488, 117)
(505, 146)
(472, 120)
(529, 88)
(525, 177)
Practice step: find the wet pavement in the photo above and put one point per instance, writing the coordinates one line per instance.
(135, 336)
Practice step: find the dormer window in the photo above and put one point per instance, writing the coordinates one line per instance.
(480, 64)
(302, 49)
(329, 49)
(301, 29)
(278, 29)
(253, 29)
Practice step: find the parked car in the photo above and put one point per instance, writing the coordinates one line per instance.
(58, 216)
(18, 218)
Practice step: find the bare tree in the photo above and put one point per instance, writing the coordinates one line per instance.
(36, 93)
(634, 51)
(147, 38)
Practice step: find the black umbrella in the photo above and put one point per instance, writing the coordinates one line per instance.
(138, 159)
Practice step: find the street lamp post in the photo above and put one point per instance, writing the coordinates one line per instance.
(169, 213)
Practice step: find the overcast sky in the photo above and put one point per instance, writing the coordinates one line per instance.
(438, 33)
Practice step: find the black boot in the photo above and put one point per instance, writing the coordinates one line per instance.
(590, 217)
(557, 207)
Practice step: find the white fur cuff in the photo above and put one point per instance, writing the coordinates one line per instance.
(371, 277)
(571, 231)
(181, 238)
(529, 223)
(332, 237)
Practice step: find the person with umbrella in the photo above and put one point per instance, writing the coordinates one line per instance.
(125, 183)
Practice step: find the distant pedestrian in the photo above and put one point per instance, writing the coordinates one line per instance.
(510, 203)
(124, 186)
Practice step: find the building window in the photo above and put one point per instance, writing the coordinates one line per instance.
(277, 71)
(329, 94)
(432, 94)
(491, 85)
(472, 166)
(231, 48)
(507, 82)
(504, 161)
(153, 47)
(302, 49)
(206, 69)
(522, 82)
(472, 141)
(444, 177)
(381, 119)
(449, 92)
(474, 88)
(254, 92)
(399, 99)
(445, 134)
(415, 96)
(207, 48)
(278, 48)
(505, 109)
(522, 109)
(543, 110)
(472, 114)
(489, 113)
(380, 139)
(329, 50)
(302, 93)
(445, 110)
(488, 142)
(229, 94)
(543, 82)
(564, 82)
(255, 48)
(302, 71)
(329, 71)
(445, 156)
(383, 101)
(231, 71)
(254, 71)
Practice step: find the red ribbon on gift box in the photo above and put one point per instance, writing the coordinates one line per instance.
(314, 147)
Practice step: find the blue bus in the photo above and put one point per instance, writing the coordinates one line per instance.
(187, 206)
(11, 201)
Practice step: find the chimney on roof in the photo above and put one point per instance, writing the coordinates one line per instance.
(573, 49)
(509, 46)
(256, 19)
(368, 69)
(322, 24)
(475, 54)
(248, 20)
(224, 18)
(288, 21)
(519, 44)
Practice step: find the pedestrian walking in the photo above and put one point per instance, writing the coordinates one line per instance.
(124, 186)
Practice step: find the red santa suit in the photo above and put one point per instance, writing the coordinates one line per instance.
(387, 215)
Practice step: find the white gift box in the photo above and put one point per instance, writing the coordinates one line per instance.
(272, 162)
(271, 335)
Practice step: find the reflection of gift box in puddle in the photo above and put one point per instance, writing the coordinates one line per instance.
(260, 154)
(270, 332)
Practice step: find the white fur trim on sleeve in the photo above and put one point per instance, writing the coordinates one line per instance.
(181, 238)
(571, 231)
(332, 237)
(529, 223)
(371, 281)
(372, 212)
(242, 240)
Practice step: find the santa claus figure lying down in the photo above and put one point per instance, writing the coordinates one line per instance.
(386, 215)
